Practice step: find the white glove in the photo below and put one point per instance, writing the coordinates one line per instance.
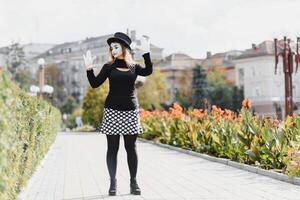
(145, 44)
(88, 60)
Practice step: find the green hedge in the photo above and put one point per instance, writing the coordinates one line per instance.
(28, 127)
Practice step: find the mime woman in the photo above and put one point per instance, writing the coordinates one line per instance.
(121, 109)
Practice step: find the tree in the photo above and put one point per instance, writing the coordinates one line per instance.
(153, 93)
(199, 87)
(68, 105)
(182, 98)
(223, 94)
(237, 98)
(216, 78)
(15, 58)
(54, 78)
(93, 104)
(23, 79)
(183, 95)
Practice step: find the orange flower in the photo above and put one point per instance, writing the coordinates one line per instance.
(155, 113)
(165, 114)
(228, 114)
(246, 103)
(216, 110)
(176, 114)
(276, 123)
(214, 107)
(176, 111)
(199, 113)
(216, 113)
(176, 106)
(144, 114)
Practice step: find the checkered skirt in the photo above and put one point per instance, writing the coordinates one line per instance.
(120, 122)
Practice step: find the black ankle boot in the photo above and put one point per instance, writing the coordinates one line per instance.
(113, 187)
(134, 188)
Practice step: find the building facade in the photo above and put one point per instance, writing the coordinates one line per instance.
(222, 62)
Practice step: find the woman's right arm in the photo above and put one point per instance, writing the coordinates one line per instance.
(96, 81)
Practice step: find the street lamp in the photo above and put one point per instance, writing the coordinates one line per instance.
(288, 57)
(48, 89)
(41, 63)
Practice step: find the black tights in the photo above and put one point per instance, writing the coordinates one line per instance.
(112, 152)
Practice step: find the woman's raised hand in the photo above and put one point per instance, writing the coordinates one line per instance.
(145, 44)
(88, 60)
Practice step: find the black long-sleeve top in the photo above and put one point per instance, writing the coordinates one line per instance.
(122, 93)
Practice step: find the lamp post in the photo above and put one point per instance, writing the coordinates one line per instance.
(41, 63)
(288, 56)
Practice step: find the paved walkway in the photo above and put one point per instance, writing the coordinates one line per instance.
(75, 168)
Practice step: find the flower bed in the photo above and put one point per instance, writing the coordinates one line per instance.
(242, 137)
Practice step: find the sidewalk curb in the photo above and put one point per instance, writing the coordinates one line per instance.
(253, 169)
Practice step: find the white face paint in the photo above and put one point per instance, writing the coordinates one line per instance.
(116, 49)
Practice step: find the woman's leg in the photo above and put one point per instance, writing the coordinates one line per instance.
(132, 157)
(111, 155)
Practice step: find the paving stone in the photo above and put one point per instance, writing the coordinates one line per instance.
(75, 168)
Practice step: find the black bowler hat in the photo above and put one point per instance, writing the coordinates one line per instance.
(120, 37)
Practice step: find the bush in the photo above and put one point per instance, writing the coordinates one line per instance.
(28, 126)
(293, 163)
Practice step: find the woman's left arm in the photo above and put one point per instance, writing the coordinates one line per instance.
(149, 66)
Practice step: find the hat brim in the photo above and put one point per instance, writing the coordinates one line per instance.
(114, 39)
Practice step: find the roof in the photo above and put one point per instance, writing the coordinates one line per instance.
(178, 61)
(88, 43)
(265, 48)
(223, 59)
(78, 44)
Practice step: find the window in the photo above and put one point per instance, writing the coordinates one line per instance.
(257, 91)
(241, 76)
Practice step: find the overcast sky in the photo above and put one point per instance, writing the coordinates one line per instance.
(190, 26)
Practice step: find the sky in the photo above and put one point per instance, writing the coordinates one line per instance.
(192, 27)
